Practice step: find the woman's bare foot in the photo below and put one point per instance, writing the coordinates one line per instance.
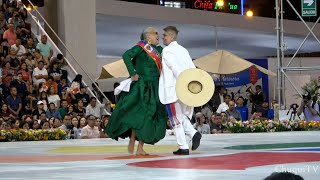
(131, 146)
(141, 152)
(131, 143)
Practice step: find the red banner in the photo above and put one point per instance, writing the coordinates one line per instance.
(253, 75)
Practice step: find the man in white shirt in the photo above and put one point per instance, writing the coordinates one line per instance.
(40, 74)
(95, 109)
(175, 60)
(223, 107)
(20, 50)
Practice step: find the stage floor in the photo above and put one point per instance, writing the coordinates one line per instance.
(224, 156)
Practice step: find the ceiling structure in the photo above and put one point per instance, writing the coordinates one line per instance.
(115, 34)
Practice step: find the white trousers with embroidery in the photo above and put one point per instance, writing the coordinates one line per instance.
(184, 127)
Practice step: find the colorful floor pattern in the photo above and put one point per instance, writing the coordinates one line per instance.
(228, 156)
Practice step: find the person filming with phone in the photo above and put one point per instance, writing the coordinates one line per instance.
(309, 108)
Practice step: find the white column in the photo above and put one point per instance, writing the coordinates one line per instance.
(77, 28)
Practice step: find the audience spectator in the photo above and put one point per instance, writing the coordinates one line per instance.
(5, 112)
(45, 125)
(55, 72)
(95, 109)
(224, 106)
(35, 125)
(218, 97)
(5, 48)
(30, 47)
(62, 86)
(244, 110)
(266, 112)
(44, 98)
(51, 123)
(57, 123)
(52, 111)
(75, 85)
(217, 127)
(75, 128)
(51, 83)
(40, 74)
(16, 20)
(233, 112)
(80, 109)
(64, 108)
(23, 34)
(18, 83)
(13, 60)
(39, 57)
(82, 95)
(19, 48)
(14, 102)
(16, 124)
(43, 117)
(45, 48)
(66, 126)
(5, 126)
(25, 126)
(25, 76)
(206, 111)
(90, 131)
(201, 125)
(31, 63)
(10, 35)
(3, 25)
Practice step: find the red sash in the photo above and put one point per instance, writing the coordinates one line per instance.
(152, 52)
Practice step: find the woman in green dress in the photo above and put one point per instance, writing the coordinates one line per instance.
(139, 114)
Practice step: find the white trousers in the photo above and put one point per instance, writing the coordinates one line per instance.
(184, 127)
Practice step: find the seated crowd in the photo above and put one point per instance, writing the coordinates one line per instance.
(34, 91)
(221, 109)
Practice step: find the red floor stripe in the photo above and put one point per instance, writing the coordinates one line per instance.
(238, 161)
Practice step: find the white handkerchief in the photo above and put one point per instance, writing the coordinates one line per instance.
(124, 86)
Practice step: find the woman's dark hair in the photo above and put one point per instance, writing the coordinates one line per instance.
(78, 78)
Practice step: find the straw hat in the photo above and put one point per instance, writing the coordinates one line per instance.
(194, 87)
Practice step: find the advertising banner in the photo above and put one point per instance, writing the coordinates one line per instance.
(237, 84)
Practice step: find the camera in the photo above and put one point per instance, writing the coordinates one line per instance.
(306, 97)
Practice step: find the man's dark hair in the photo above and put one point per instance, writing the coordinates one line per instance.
(59, 56)
(283, 176)
(226, 95)
(240, 97)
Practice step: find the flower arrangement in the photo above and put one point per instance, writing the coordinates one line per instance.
(271, 126)
(32, 135)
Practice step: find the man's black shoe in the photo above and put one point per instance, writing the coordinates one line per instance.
(196, 141)
(181, 152)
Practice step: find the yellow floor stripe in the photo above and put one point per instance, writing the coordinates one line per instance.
(110, 149)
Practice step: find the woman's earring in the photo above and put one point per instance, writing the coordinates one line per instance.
(149, 41)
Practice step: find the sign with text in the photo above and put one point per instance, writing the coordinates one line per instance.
(308, 8)
(230, 5)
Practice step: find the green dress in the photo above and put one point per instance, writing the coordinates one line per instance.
(140, 109)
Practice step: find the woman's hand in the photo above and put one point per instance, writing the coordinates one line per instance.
(135, 77)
